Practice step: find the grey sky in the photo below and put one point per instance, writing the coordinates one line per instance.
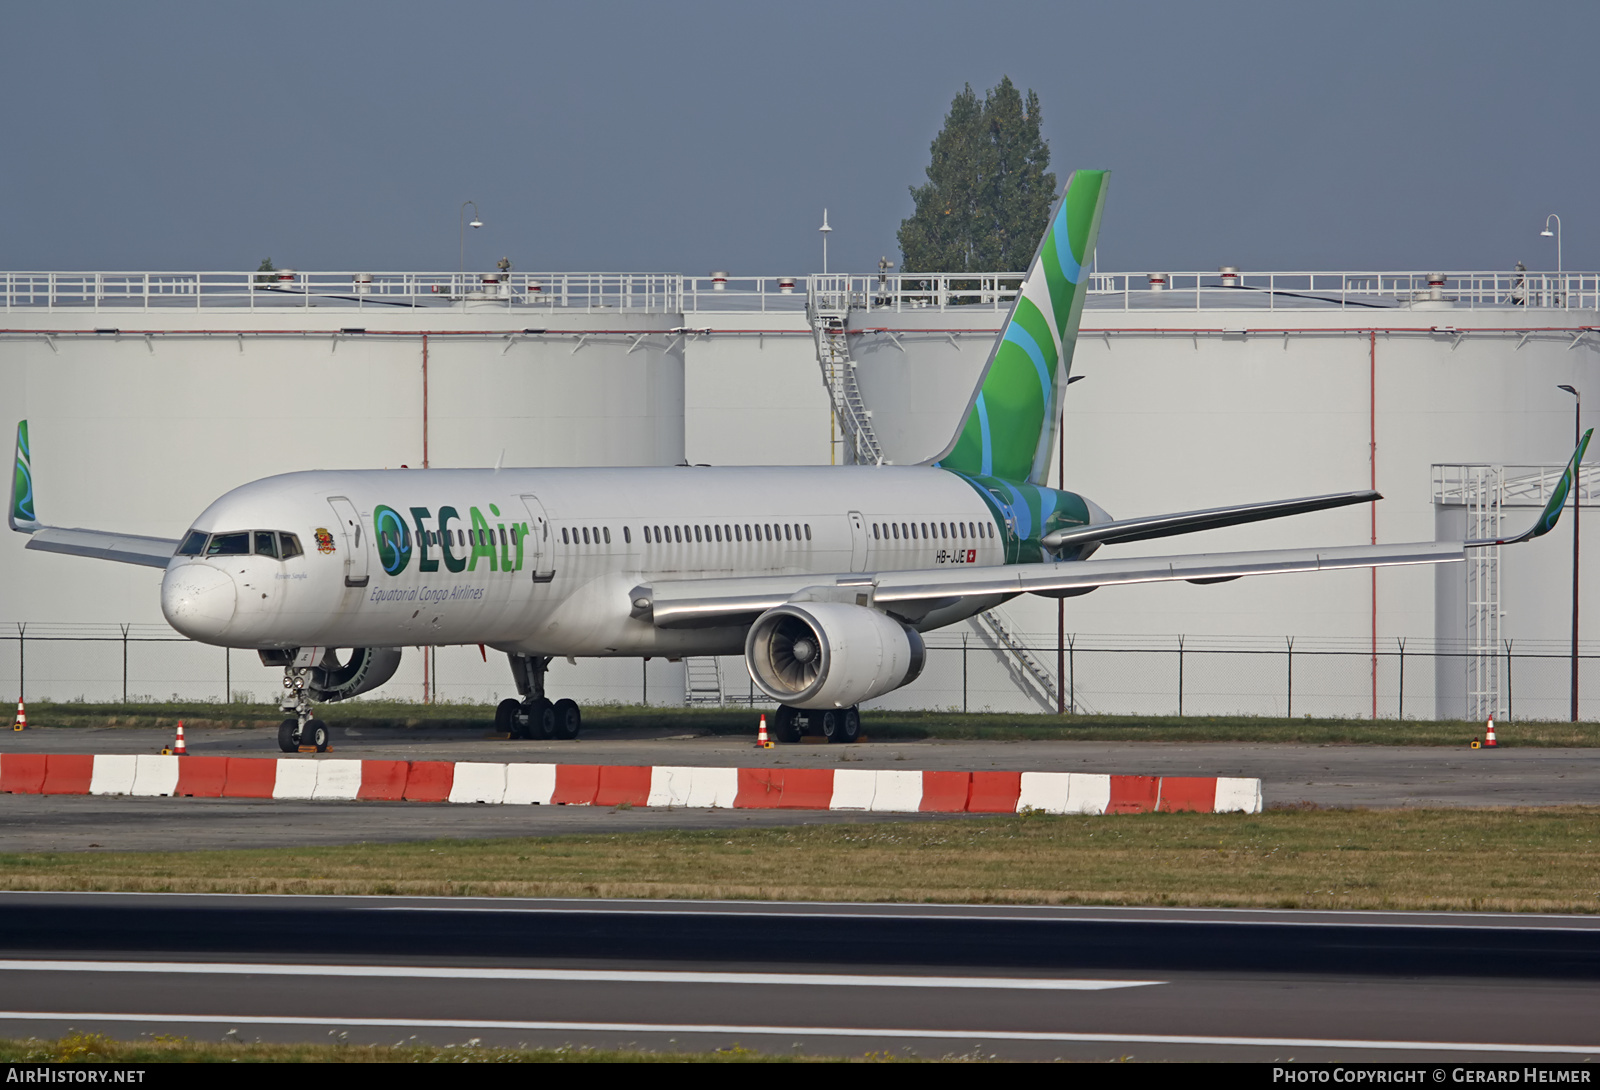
(692, 136)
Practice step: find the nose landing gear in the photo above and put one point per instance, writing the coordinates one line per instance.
(303, 729)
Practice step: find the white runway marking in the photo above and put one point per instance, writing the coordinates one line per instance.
(970, 1035)
(615, 976)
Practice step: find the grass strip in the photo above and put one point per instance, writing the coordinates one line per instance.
(881, 725)
(160, 1048)
(1544, 859)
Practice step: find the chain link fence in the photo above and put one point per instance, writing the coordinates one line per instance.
(1104, 675)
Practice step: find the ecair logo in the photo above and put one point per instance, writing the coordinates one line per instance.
(435, 541)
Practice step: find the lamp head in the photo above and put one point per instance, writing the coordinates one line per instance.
(476, 222)
(1547, 233)
(1568, 389)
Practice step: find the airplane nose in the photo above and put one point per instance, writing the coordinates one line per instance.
(198, 601)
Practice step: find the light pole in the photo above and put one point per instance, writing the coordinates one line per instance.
(1577, 505)
(476, 222)
(826, 231)
(1556, 234)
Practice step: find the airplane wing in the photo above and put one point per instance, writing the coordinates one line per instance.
(912, 595)
(1188, 522)
(701, 603)
(152, 552)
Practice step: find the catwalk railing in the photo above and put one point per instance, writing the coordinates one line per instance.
(531, 292)
(1154, 676)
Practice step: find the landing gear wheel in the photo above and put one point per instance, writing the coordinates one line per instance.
(851, 727)
(833, 726)
(541, 719)
(288, 735)
(508, 718)
(785, 728)
(568, 719)
(315, 733)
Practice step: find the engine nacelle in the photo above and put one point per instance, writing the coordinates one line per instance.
(830, 655)
(368, 668)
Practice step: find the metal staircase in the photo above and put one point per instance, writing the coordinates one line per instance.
(827, 307)
(1027, 672)
(702, 680)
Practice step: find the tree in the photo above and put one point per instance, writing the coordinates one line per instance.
(989, 191)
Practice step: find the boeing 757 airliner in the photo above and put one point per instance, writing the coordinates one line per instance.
(823, 578)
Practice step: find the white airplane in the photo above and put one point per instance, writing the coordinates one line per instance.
(822, 577)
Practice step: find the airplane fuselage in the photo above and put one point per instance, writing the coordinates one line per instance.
(541, 561)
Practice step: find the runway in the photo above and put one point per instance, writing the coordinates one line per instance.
(1020, 982)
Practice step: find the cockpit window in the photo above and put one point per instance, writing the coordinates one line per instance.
(291, 545)
(194, 544)
(229, 544)
(266, 543)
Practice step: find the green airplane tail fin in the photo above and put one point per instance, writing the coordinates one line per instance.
(21, 516)
(1009, 428)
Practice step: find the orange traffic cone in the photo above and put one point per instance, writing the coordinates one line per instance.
(178, 748)
(1488, 736)
(762, 741)
(22, 718)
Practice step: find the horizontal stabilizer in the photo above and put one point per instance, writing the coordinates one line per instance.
(151, 552)
(1188, 522)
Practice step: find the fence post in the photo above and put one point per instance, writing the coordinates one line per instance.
(1180, 677)
(1401, 640)
(1289, 703)
(22, 661)
(227, 675)
(644, 673)
(1508, 681)
(124, 663)
(963, 673)
(1072, 677)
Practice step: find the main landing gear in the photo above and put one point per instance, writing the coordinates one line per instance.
(535, 716)
(834, 724)
(302, 729)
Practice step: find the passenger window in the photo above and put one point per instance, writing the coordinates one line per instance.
(606, 530)
(266, 544)
(586, 535)
(677, 534)
(194, 544)
(563, 535)
(808, 531)
(786, 535)
(627, 536)
(229, 545)
(697, 533)
(290, 545)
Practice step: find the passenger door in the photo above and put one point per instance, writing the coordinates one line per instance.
(355, 541)
(858, 542)
(538, 554)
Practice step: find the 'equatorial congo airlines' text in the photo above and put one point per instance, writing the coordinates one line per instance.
(823, 578)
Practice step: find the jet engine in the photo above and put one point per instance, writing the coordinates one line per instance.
(367, 668)
(830, 655)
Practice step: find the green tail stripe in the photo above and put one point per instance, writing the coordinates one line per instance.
(1010, 425)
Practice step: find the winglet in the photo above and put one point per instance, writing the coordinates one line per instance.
(1552, 511)
(20, 516)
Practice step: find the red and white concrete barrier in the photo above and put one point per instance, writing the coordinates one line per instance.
(886, 791)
